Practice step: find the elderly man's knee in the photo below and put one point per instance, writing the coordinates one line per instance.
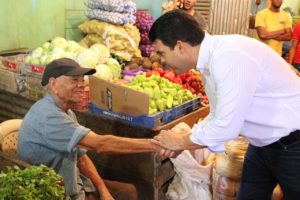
(129, 192)
(122, 191)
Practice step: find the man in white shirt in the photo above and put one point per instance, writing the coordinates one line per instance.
(252, 92)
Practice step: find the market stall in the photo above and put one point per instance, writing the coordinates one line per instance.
(116, 44)
(151, 174)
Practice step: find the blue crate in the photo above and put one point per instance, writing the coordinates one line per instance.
(143, 120)
(183, 109)
(149, 120)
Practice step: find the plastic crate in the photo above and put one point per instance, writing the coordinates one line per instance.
(8, 81)
(183, 109)
(13, 63)
(144, 120)
(35, 70)
(33, 88)
(150, 120)
(83, 105)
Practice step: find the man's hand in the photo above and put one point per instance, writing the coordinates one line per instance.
(176, 139)
(169, 153)
(171, 140)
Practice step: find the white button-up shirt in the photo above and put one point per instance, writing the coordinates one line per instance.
(252, 92)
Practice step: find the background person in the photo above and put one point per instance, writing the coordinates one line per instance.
(189, 7)
(294, 55)
(274, 26)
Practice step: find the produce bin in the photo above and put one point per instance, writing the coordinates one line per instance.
(149, 120)
(13, 63)
(33, 88)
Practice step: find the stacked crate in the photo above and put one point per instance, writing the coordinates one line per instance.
(12, 77)
(33, 88)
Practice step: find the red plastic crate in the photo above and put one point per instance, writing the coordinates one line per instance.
(83, 105)
(13, 63)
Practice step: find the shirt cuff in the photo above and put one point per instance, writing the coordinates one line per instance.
(77, 136)
(217, 148)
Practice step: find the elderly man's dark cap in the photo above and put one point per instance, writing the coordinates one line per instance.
(64, 67)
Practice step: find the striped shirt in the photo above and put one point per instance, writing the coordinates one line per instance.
(252, 92)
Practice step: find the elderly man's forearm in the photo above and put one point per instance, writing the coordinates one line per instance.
(114, 144)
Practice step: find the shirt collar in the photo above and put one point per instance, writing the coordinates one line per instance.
(204, 52)
(49, 97)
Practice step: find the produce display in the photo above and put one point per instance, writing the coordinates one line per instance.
(122, 41)
(163, 93)
(112, 11)
(110, 70)
(144, 21)
(151, 62)
(57, 48)
(190, 80)
(97, 56)
(35, 182)
(107, 5)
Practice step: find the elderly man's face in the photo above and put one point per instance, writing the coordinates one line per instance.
(69, 89)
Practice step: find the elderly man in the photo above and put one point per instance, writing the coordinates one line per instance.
(274, 26)
(51, 135)
(252, 92)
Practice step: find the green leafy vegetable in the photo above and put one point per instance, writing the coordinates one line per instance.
(32, 183)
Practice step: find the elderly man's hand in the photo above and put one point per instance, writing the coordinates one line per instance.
(169, 153)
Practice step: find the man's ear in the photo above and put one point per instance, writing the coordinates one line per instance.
(180, 46)
(52, 85)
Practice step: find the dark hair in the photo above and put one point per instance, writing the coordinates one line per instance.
(176, 25)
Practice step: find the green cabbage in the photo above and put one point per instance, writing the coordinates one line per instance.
(111, 70)
(88, 58)
(59, 42)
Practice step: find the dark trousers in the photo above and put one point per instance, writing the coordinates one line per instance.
(264, 167)
(297, 66)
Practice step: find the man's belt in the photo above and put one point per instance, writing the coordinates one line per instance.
(286, 140)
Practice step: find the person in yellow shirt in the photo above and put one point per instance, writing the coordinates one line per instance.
(274, 26)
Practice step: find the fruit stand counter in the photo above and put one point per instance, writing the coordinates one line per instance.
(149, 172)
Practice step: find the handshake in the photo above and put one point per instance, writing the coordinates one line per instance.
(172, 142)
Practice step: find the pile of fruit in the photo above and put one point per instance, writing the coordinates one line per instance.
(163, 93)
(151, 62)
(190, 80)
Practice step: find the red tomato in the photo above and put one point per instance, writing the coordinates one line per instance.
(169, 74)
(159, 70)
(150, 73)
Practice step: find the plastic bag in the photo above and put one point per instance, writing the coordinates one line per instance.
(193, 171)
(192, 179)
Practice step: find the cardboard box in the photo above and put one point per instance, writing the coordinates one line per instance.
(117, 98)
